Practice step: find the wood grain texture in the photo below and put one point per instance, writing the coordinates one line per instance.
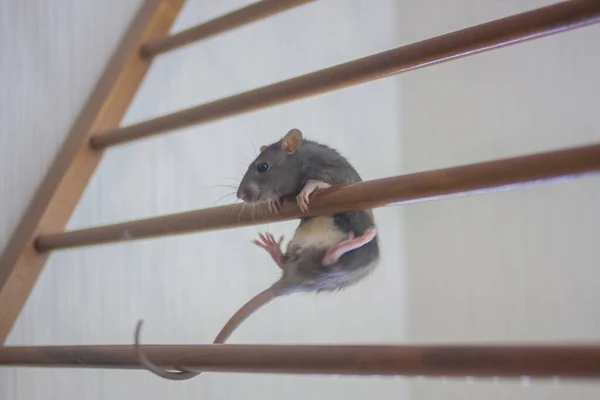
(429, 185)
(570, 361)
(235, 19)
(519, 28)
(75, 163)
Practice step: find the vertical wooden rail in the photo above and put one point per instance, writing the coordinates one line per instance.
(75, 163)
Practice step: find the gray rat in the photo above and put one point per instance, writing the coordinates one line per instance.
(327, 253)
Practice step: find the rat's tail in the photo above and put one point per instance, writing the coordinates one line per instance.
(179, 375)
(258, 301)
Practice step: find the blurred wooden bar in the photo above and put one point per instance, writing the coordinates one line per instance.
(437, 360)
(474, 178)
(235, 19)
(506, 31)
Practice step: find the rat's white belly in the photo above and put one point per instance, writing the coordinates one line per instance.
(318, 232)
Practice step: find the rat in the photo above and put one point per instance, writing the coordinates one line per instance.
(326, 253)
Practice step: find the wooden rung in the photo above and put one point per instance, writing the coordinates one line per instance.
(506, 31)
(421, 186)
(235, 19)
(571, 361)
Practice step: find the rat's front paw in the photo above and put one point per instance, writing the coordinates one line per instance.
(303, 199)
(309, 188)
(272, 246)
(275, 205)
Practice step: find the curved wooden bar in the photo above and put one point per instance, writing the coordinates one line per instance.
(437, 360)
(409, 188)
(235, 19)
(506, 31)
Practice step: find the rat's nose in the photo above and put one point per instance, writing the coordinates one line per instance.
(247, 193)
(241, 194)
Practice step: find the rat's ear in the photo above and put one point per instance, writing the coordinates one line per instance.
(292, 141)
(262, 148)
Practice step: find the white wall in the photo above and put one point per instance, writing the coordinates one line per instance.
(513, 266)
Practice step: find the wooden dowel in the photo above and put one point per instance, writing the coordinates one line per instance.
(511, 30)
(438, 360)
(235, 19)
(419, 186)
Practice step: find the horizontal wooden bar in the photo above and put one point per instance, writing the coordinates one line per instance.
(235, 19)
(438, 360)
(503, 32)
(473, 178)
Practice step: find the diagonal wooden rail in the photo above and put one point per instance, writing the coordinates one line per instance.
(515, 29)
(570, 361)
(235, 19)
(59, 192)
(486, 176)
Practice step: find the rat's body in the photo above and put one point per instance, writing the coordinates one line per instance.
(327, 253)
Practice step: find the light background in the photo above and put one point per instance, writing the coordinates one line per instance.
(510, 266)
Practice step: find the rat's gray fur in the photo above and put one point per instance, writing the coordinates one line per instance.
(290, 172)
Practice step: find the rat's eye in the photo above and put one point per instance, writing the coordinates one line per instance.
(262, 167)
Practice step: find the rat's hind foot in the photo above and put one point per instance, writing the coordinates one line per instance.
(275, 205)
(272, 247)
(352, 243)
(309, 188)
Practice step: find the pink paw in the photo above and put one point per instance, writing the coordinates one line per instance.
(275, 205)
(369, 234)
(349, 244)
(303, 199)
(272, 247)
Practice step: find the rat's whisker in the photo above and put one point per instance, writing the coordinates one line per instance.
(241, 211)
(223, 197)
(227, 186)
(262, 212)
(258, 209)
(232, 210)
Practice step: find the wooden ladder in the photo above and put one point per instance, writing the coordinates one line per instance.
(97, 128)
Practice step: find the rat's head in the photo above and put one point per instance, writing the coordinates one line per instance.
(275, 172)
